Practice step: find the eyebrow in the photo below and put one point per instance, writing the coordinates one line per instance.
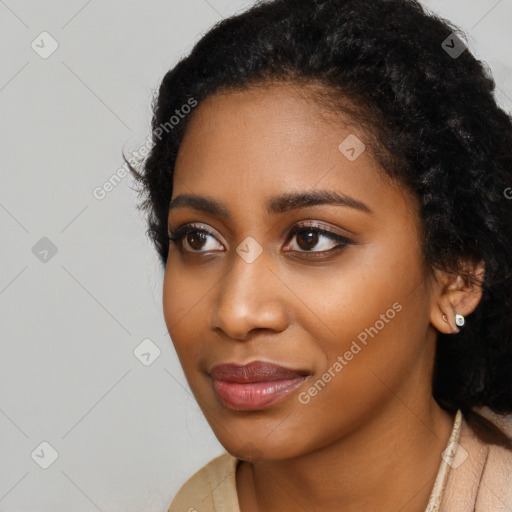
(275, 205)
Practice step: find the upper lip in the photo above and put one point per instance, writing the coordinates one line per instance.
(255, 371)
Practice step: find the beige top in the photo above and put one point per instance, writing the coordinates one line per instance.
(213, 487)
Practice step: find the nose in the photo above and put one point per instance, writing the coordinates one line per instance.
(250, 298)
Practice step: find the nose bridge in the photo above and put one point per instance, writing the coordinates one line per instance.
(249, 296)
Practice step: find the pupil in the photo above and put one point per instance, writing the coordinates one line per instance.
(194, 237)
(310, 237)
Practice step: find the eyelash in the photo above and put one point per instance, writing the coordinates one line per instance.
(176, 236)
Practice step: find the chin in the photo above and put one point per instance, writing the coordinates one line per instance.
(253, 448)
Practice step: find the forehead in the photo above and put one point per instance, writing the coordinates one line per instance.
(243, 147)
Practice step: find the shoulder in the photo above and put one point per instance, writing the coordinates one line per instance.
(495, 491)
(211, 488)
(480, 477)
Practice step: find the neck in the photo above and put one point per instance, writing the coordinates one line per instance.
(388, 464)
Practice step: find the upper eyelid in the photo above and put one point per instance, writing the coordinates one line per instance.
(312, 224)
(327, 232)
(315, 225)
(180, 231)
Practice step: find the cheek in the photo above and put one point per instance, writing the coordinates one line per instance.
(182, 299)
(185, 289)
(374, 313)
(369, 284)
(363, 368)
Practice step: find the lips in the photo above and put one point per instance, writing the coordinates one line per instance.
(257, 371)
(254, 386)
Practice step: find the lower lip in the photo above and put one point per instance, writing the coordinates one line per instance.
(254, 395)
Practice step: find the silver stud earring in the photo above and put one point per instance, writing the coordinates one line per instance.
(459, 320)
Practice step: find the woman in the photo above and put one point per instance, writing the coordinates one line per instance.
(327, 192)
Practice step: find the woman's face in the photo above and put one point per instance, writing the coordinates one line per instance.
(350, 319)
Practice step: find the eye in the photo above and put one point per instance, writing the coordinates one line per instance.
(314, 235)
(196, 238)
(201, 240)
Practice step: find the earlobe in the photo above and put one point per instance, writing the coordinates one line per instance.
(443, 319)
(455, 299)
(459, 322)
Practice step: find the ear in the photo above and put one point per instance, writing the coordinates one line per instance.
(454, 294)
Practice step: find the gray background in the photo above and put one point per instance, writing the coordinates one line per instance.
(127, 434)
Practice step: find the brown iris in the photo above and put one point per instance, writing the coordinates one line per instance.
(309, 237)
(196, 238)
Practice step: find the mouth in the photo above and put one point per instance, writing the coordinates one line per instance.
(254, 386)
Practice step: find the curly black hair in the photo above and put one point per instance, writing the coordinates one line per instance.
(407, 77)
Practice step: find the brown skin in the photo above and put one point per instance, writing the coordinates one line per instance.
(372, 438)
